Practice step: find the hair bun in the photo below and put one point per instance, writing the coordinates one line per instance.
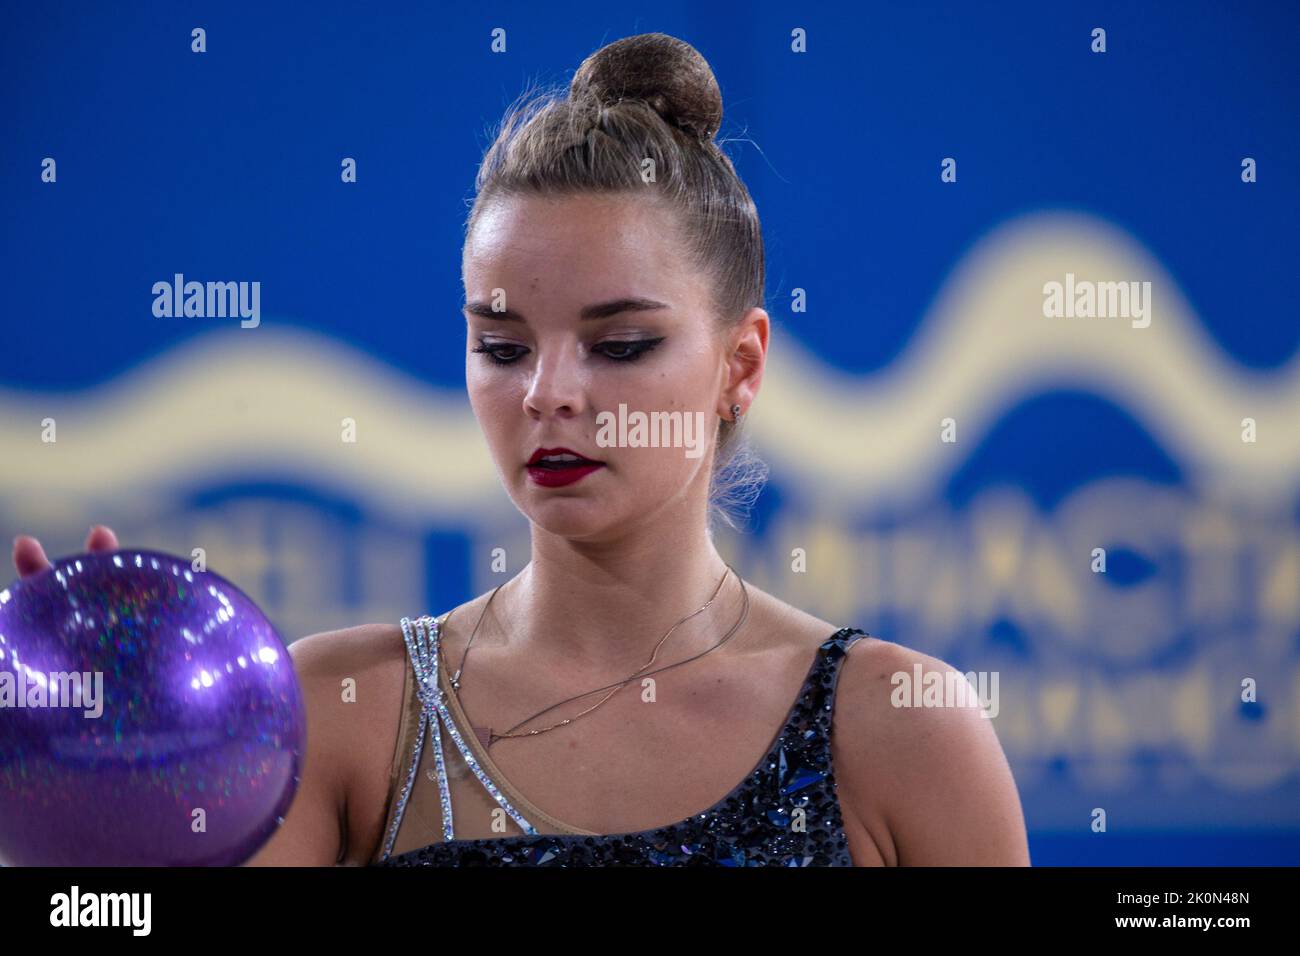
(667, 73)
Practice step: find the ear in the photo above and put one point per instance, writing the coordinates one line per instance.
(746, 357)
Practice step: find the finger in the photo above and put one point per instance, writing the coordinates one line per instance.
(101, 538)
(29, 556)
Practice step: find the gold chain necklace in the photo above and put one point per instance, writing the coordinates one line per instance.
(488, 737)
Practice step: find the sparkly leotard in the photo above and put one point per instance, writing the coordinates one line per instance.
(784, 813)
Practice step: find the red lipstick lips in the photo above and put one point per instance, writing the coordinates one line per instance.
(556, 467)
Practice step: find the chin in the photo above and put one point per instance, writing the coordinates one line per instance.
(567, 523)
(567, 513)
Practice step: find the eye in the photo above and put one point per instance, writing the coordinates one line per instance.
(628, 351)
(494, 351)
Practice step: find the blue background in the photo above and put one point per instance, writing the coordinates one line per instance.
(226, 164)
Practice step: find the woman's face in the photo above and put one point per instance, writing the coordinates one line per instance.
(583, 303)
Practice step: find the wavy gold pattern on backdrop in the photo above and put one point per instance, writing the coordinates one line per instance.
(271, 401)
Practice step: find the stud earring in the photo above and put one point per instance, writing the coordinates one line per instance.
(735, 414)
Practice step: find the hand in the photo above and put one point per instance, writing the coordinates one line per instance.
(29, 556)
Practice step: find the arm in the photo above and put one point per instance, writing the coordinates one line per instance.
(933, 781)
(342, 801)
(312, 833)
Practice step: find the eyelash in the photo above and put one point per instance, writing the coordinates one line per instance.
(637, 347)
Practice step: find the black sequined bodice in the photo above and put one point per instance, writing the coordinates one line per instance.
(784, 813)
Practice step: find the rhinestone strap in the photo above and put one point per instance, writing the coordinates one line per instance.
(423, 650)
(417, 654)
(466, 754)
(426, 675)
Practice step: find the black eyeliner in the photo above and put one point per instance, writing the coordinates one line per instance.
(636, 348)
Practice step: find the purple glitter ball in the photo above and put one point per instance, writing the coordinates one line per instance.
(149, 716)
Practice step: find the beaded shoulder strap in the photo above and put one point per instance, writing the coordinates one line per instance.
(422, 645)
(836, 649)
(837, 646)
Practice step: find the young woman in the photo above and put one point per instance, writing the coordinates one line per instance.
(613, 257)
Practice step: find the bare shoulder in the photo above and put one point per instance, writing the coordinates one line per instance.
(352, 683)
(351, 688)
(931, 782)
(351, 672)
(347, 649)
(351, 680)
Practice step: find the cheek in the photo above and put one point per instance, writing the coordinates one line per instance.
(688, 382)
(492, 396)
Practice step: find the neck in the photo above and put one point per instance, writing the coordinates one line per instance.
(607, 605)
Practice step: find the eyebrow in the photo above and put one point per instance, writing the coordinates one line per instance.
(601, 310)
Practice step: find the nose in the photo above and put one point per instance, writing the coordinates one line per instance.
(556, 387)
